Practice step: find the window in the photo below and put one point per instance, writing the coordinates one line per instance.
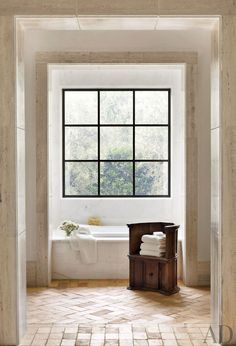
(116, 142)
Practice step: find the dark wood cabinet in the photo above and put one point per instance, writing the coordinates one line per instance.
(149, 272)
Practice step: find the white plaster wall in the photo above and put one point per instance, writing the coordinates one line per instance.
(117, 211)
(194, 40)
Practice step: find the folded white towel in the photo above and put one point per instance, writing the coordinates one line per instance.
(152, 253)
(161, 234)
(86, 244)
(149, 238)
(153, 247)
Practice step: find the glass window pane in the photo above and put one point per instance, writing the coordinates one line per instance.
(151, 143)
(116, 178)
(81, 143)
(116, 143)
(151, 107)
(81, 107)
(116, 107)
(81, 178)
(151, 178)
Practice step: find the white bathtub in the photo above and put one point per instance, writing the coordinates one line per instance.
(110, 231)
(112, 247)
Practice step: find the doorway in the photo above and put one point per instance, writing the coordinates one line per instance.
(44, 241)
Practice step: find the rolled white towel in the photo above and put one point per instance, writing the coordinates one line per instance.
(152, 253)
(83, 230)
(153, 247)
(149, 238)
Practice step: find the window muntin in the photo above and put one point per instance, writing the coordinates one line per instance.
(116, 142)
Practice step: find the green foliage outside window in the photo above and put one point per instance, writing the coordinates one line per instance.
(116, 170)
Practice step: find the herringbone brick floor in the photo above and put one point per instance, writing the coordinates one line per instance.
(104, 312)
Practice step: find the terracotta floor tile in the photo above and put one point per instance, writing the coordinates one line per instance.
(112, 336)
(184, 342)
(125, 304)
(182, 336)
(105, 313)
(153, 335)
(126, 343)
(84, 336)
(168, 336)
(71, 330)
(53, 343)
(198, 343)
(196, 336)
(170, 343)
(155, 342)
(139, 329)
(140, 335)
(42, 336)
(82, 343)
(27, 339)
(68, 343)
(97, 343)
(112, 343)
(97, 337)
(39, 342)
(140, 343)
(44, 330)
(127, 336)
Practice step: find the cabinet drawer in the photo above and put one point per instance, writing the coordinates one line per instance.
(151, 274)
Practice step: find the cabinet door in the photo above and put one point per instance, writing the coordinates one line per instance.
(168, 275)
(151, 274)
(136, 273)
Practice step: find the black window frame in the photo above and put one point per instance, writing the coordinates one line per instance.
(133, 125)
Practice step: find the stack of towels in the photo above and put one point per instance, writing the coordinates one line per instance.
(153, 245)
